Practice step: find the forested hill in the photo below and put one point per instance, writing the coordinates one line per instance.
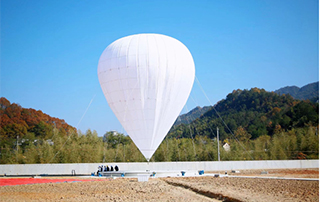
(191, 116)
(310, 92)
(307, 92)
(256, 112)
(27, 123)
(292, 124)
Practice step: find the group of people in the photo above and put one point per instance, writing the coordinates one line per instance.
(103, 168)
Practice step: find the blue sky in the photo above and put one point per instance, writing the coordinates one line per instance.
(50, 49)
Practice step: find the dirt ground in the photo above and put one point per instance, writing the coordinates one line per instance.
(176, 189)
(287, 173)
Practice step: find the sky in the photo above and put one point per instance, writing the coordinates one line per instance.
(50, 49)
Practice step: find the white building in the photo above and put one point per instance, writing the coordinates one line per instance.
(226, 147)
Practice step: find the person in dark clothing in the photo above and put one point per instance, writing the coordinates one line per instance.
(116, 168)
(111, 168)
(107, 168)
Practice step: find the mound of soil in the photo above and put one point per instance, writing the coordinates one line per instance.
(249, 189)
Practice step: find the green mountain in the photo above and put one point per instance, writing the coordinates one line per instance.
(307, 92)
(191, 116)
(256, 111)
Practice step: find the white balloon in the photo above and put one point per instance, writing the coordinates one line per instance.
(146, 79)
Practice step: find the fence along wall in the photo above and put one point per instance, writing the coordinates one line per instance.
(87, 168)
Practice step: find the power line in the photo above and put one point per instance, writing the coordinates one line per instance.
(221, 118)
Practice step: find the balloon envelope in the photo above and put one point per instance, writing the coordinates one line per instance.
(146, 79)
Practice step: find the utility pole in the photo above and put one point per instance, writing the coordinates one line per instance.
(17, 142)
(124, 153)
(218, 144)
(17, 148)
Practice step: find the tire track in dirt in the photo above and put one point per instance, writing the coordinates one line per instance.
(209, 194)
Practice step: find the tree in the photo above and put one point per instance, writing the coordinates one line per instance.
(262, 147)
(113, 138)
(242, 135)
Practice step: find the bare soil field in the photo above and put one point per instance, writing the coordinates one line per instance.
(286, 173)
(176, 189)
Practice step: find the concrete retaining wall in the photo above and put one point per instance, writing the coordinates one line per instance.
(87, 168)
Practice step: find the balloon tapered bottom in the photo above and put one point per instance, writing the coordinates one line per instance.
(148, 165)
